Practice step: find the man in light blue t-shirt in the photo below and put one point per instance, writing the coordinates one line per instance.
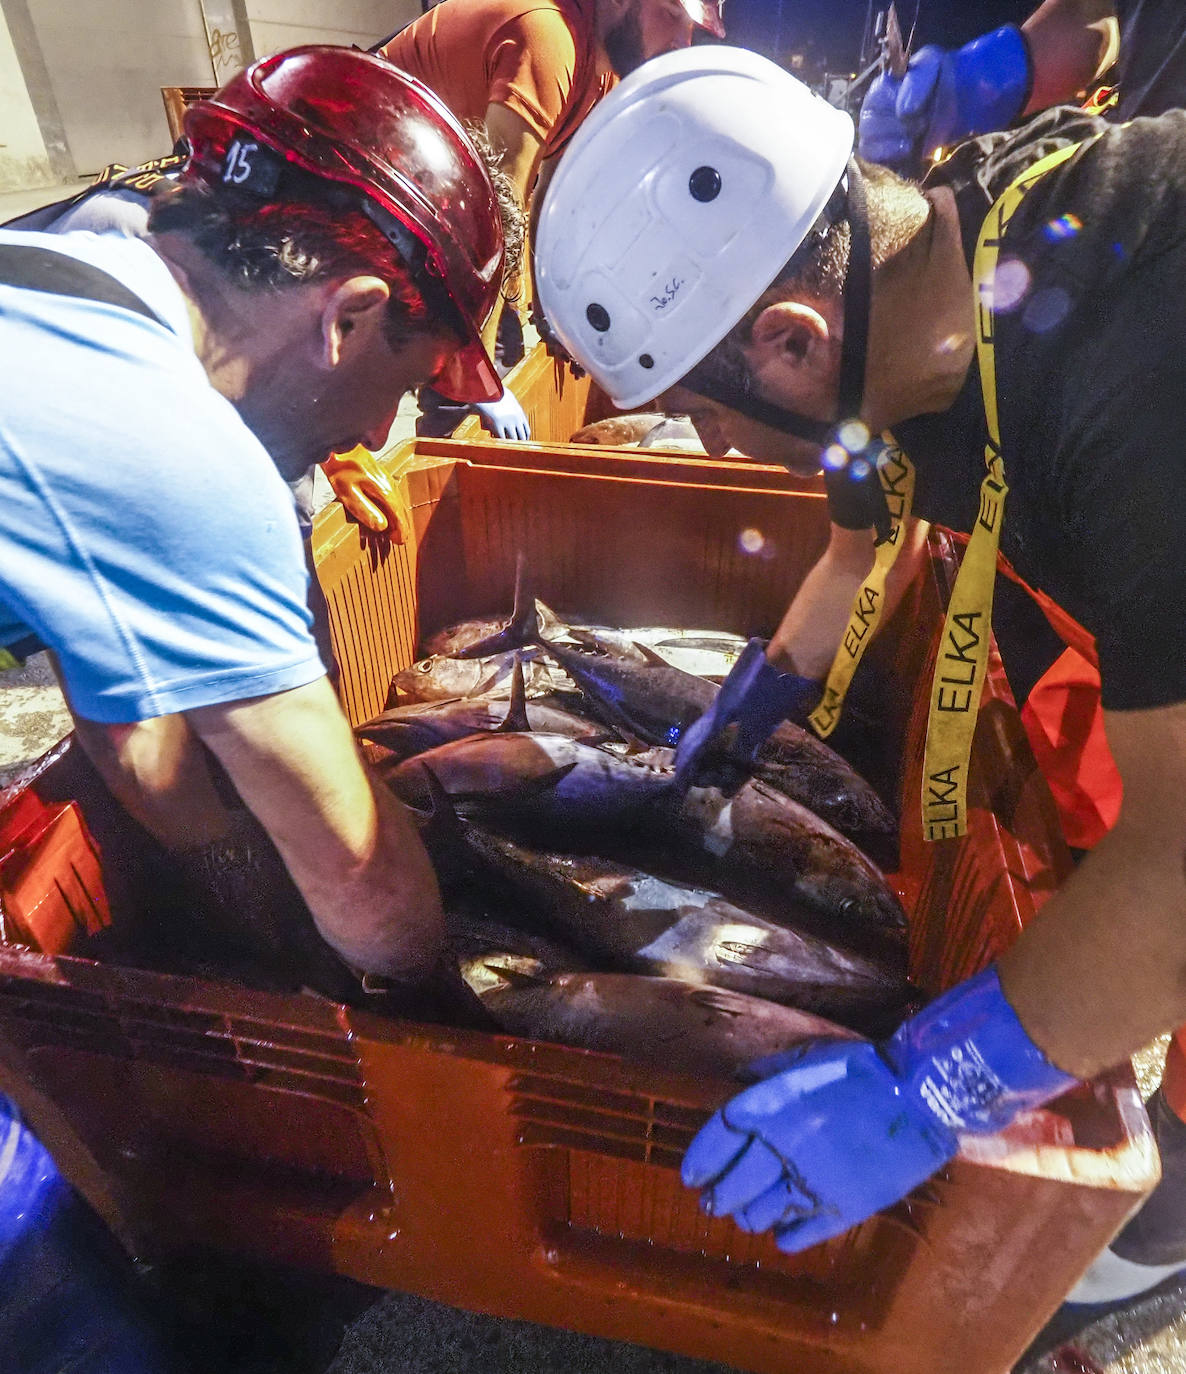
(333, 241)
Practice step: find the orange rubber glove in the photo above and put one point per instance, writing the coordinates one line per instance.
(365, 488)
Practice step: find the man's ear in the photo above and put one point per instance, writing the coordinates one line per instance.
(790, 329)
(352, 316)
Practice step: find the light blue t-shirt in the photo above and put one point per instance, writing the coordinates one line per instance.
(145, 535)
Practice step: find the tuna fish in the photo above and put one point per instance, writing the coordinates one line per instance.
(656, 703)
(664, 1022)
(405, 731)
(486, 947)
(442, 679)
(645, 696)
(451, 641)
(637, 922)
(618, 431)
(409, 730)
(561, 789)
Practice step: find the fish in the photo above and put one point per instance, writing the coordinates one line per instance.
(449, 642)
(410, 730)
(704, 653)
(637, 922)
(665, 1023)
(766, 845)
(618, 431)
(547, 782)
(405, 731)
(647, 698)
(484, 946)
(676, 433)
(656, 703)
(557, 788)
(444, 679)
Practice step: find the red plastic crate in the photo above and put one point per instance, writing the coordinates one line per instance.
(292, 1129)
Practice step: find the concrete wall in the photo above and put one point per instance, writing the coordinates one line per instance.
(80, 79)
(24, 161)
(277, 24)
(107, 61)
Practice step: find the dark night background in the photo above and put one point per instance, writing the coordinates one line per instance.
(834, 27)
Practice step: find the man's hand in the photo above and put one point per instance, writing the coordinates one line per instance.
(757, 697)
(944, 97)
(505, 418)
(351, 848)
(848, 1128)
(366, 490)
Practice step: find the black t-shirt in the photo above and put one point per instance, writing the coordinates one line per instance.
(1091, 380)
(1151, 71)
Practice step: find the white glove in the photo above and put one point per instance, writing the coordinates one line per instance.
(504, 418)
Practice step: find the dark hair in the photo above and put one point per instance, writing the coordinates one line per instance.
(897, 210)
(270, 245)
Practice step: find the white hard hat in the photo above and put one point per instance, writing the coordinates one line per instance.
(677, 203)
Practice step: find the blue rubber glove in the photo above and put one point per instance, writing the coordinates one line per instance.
(504, 418)
(945, 97)
(755, 695)
(850, 1127)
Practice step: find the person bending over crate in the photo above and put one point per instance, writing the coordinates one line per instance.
(311, 264)
(530, 71)
(1006, 318)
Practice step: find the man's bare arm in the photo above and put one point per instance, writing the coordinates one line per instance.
(810, 633)
(1103, 968)
(1071, 44)
(351, 848)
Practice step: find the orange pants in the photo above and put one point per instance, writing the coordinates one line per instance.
(1065, 724)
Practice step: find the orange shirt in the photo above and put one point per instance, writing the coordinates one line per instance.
(536, 57)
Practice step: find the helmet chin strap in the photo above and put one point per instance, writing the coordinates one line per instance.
(854, 490)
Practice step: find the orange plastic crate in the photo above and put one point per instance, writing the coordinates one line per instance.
(291, 1129)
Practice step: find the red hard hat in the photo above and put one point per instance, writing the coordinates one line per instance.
(352, 118)
(706, 13)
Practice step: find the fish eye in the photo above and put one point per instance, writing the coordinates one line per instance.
(425, 665)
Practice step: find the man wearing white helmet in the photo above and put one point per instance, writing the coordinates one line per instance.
(735, 251)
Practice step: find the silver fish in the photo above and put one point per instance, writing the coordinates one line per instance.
(618, 431)
(663, 1022)
(441, 679)
(640, 923)
(561, 788)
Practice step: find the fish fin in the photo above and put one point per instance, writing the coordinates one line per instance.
(634, 745)
(440, 826)
(599, 738)
(548, 619)
(524, 624)
(655, 660)
(715, 999)
(516, 721)
(522, 628)
(583, 637)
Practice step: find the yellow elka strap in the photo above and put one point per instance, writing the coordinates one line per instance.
(897, 481)
(963, 650)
